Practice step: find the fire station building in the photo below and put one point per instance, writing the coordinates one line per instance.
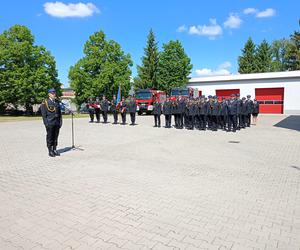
(277, 92)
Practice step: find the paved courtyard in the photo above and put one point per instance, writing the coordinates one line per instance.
(148, 188)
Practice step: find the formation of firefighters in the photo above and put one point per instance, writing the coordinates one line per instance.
(200, 113)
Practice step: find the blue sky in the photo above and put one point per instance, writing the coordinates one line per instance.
(212, 32)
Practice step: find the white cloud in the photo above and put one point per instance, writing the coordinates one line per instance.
(212, 30)
(210, 72)
(249, 11)
(233, 21)
(222, 70)
(266, 13)
(225, 65)
(182, 28)
(59, 9)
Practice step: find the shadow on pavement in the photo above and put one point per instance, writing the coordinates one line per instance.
(67, 149)
(291, 122)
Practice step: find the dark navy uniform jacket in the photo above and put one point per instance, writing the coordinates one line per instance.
(181, 106)
(132, 107)
(175, 109)
(249, 106)
(215, 108)
(192, 109)
(233, 107)
(244, 108)
(51, 113)
(203, 109)
(157, 108)
(167, 108)
(255, 109)
(223, 108)
(239, 106)
(113, 106)
(104, 105)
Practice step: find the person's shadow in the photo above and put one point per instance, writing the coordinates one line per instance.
(68, 149)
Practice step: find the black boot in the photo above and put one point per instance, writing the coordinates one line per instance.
(55, 151)
(51, 153)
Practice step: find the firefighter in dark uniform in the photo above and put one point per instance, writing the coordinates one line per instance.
(104, 107)
(239, 115)
(167, 111)
(175, 112)
(157, 108)
(255, 111)
(192, 111)
(203, 113)
(249, 110)
(123, 110)
(197, 113)
(223, 113)
(52, 119)
(186, 114)
(91, 108)
(113, 109)
(181, 108)
(232, 113)
(97, 109)
(244, 113)
(132, 110)
(214, 113)
(209, 109)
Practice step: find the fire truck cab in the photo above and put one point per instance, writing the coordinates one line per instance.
(184, 92)
(145, 99)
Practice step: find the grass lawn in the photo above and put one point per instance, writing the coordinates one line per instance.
(11, 118)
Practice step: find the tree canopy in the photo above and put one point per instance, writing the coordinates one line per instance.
(147, 71)
(247, 60)
(282, 55)
(102, 69)
(174, 66)
(27, 71)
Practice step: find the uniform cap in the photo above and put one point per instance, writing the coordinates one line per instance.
(237, 95)
(248, 96)
(209, 96)
(52, 90)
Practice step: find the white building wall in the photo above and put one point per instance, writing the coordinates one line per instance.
(291, 89)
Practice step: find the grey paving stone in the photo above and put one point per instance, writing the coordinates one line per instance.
(143, 187)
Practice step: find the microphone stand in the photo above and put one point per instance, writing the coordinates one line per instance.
(73, 147)
(72, 117)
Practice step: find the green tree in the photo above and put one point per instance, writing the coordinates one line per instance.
(278, 50)
(263, 57)
(147, 72)
(102, 69)
(174, 66)
(27, 71)
(293, 52)
(247, 60)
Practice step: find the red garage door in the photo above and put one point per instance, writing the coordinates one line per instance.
(270, 100)
(226, 92)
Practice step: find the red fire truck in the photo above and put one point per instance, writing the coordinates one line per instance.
(145, 99)
(184, 92)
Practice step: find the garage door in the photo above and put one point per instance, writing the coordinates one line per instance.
(226, 92)
(270, 100)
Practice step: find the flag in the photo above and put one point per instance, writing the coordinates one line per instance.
(119, 94)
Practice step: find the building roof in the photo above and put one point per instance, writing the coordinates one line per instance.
(245, 77)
